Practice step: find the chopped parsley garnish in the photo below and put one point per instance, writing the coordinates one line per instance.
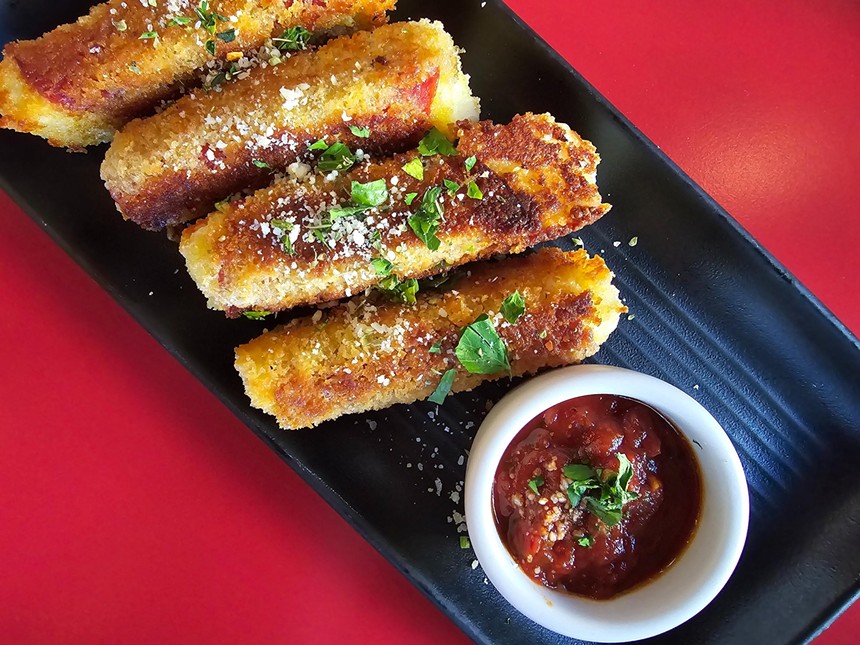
(464, 542)
(318, 145)
(134, 68)
(149, 35)
(542, 335)
(285, 227)
(260, 164)
(376, 239)
(470, 163)
(436, 348)
(604, 492)
(586, 540)
(409, 198)
(293, 39)
(633, 241)
(373, 193)
(360, 132)
(178, 21)
(256, 315)
(208, 19)
(348, 210)
(382, 266)
(452, 186)
(513, 307)
(577, 241)
(414, 168)
(436, 143)
(396, 290)
(227, 36)
(120, 25)
(534, 483)
(481, 350)
(444, 388)
(337, 156)
(473, 191)
(210, 47)
(425, 221)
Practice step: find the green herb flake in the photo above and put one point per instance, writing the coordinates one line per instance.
(436, 143)
(210, 47)
(227, 36)
(542, 335)
(178, 21)
(473, 191)
(285, 227)
(436, 348)
(452, 186)
(382, 266)
(318, 145)
(256, 315)
(404, 291)
(208, 19)
(414, 168)
(120, 25)
(371, 194)
(470, 163)
(534, 483)
(293, 39)
(148, 35)
(513, 307)
(348, 210)
(425, 221)
(633, 241)
(464, 542)
(443, 389)
(134, 69)
(577, 241)
(337, 156)
(481, 350)
(260, 164)
(409, 198)
(360, 132)
(586, 540)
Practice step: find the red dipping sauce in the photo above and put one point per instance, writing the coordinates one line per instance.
(579, 548)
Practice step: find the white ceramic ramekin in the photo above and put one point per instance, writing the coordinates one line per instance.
(671, 598)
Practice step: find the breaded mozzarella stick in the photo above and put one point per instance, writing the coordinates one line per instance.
(365, 355)
(396, 81)
(508, 188)
(77, 84)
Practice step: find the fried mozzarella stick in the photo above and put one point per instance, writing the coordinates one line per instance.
(365, 355)
(507, 187)
(77, 84)
(395, 82)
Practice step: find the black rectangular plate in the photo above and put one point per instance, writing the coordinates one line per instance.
(712, 309)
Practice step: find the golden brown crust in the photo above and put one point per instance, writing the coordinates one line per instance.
(365, 355)
(398, 79)
(539, 193)
(95, 74)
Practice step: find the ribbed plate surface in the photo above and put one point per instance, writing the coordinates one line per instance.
(714, 315)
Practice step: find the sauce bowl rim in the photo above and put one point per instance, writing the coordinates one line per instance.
(657, 605)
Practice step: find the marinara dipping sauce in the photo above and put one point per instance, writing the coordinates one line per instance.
(597, 495)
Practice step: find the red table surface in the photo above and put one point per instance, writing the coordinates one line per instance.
(135, 508)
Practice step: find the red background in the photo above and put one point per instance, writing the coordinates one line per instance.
(134, 507)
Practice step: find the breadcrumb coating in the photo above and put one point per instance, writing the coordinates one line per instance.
(397, 80)
(365, 354)
(78, 83)
(536, 180)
